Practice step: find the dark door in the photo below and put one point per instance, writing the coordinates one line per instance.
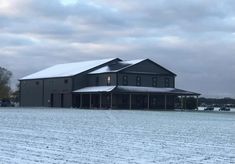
(52, 100)
(62, 100)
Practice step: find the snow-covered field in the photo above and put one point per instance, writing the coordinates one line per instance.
(115, 136)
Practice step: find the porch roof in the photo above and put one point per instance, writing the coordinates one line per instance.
(95, 89)
(135, 89)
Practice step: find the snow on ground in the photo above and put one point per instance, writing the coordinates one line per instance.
(115, 136)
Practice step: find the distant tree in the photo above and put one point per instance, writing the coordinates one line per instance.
(5, 76)
(15, 94)
(191, 103)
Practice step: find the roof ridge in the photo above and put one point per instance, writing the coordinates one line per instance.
(84, 61)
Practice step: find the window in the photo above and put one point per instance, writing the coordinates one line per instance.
(97, 81)
(37, 82)
(108, 80)
(154, 81)
(125, 80)
(167, 82)
(138, 80)
(66, 81)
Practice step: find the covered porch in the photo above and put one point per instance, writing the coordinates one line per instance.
(131, 97)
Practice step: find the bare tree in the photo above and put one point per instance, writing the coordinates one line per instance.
(5, 76)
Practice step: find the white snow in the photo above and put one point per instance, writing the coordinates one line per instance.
(31, 136)
(95, 89)
(103, 70)
(132, 89)
(107, 69)
(65, 70)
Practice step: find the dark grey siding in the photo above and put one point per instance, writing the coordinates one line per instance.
(38, 92)
(31, 93)
(57, 87)
(146, 79)
(102, 79)
(80, 81)
(83, 79)
(147, 70)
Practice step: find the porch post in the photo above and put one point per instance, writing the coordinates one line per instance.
(80, 100)
(148, 100)
(90, 100)
(197, 103)
(111, 101)
(165, 102)
(100, 100)
(181, 101)
(130, 97)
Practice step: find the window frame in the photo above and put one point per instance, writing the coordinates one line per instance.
(138, 80)
(154, 81)
(97, 80)
(66, 81)
(167, 82)
(125, 80)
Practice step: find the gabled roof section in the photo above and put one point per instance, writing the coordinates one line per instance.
(117, 66)
(66, 70)
(154, 63)
(123, 65)
(162, 67)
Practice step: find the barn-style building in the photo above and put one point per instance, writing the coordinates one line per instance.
(107, 83)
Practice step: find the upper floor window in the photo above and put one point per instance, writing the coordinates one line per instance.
(125, 80)
(138, 80)
(66, 81)
(108, 80)
(154, 81)
(97, 81)
(167, 82)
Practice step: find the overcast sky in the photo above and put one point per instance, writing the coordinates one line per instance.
(193, 38)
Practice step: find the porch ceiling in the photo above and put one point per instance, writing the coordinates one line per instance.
(138, 89)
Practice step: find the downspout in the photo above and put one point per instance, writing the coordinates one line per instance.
(43, 96)
(20, 94)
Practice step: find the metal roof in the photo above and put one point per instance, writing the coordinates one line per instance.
(65, 70)
(116, 67)
(95, 89)
(138, 89)
(134, 89)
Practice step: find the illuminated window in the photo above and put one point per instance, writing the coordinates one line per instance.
(108, 80)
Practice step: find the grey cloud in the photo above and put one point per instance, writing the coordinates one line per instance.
(195, 39)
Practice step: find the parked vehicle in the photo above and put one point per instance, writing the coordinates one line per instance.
(224, 108)
(209, 108)
(6, 103)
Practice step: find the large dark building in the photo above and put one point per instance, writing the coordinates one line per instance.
(108, 83)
